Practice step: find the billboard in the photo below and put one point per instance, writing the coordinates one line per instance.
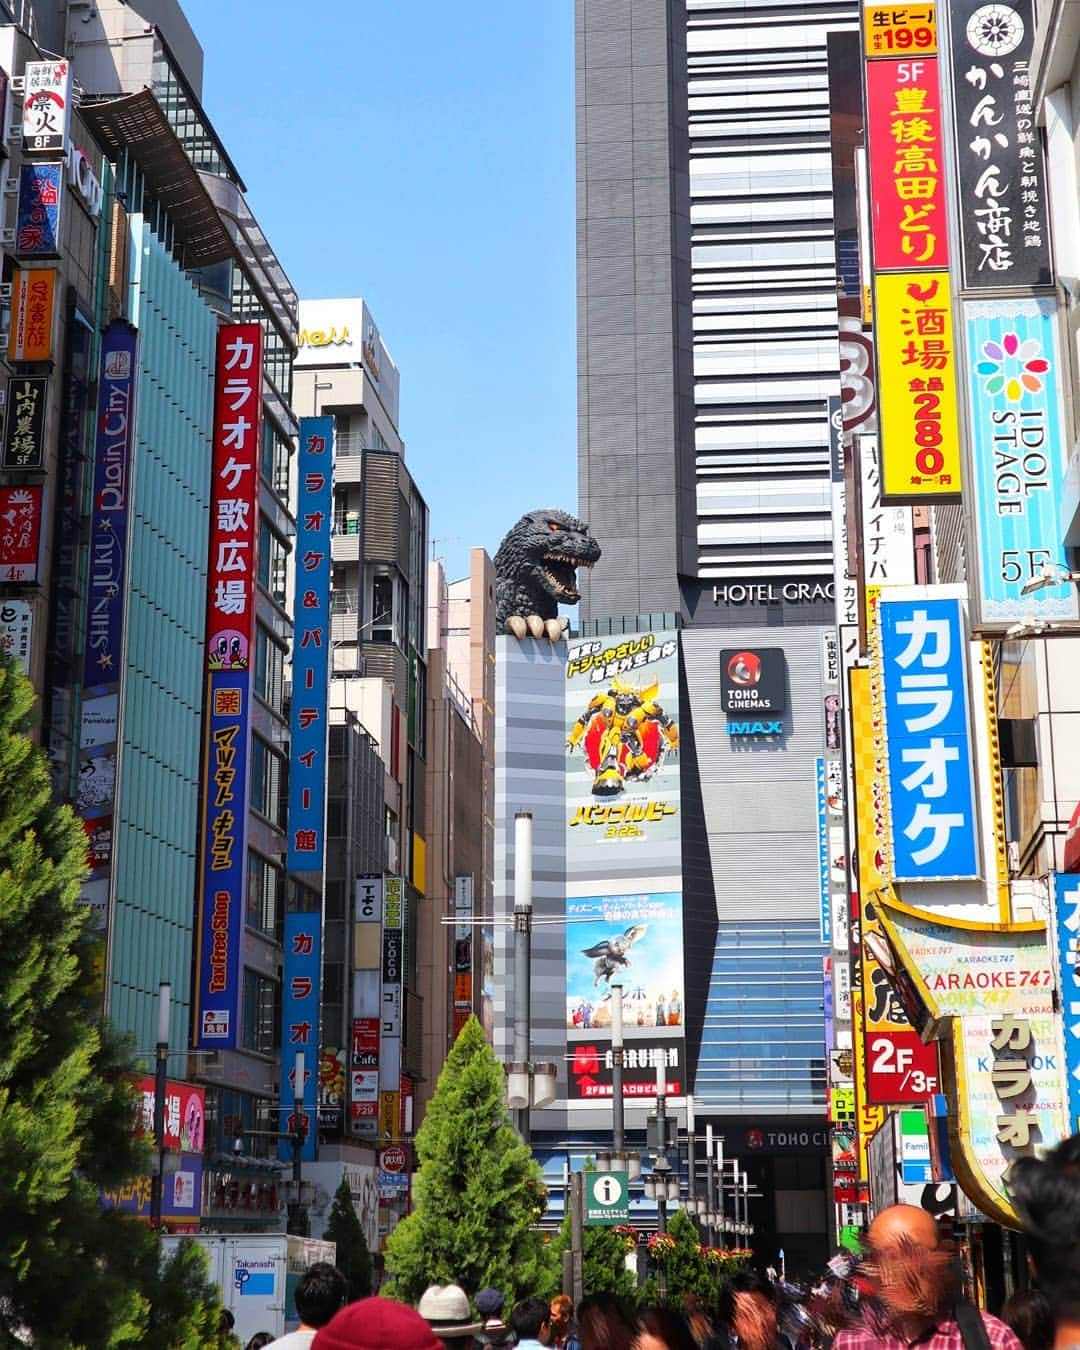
(900, 30)
(638, 940)
(16, 631)
(344, 333)
(907, 185)
(929, 740)
(32, 295)
(1000, 177)
(46, 105)
(1018, 454)
(753, 680)
(917, 377)
(230, 622)
(301, 994)
(24, 433)
(311, 646)
(622, 780)
(393, 952)
(888, 538)
(37, 218)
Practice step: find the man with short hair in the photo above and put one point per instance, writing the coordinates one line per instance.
(1046, 1192)
(320, 1292)
(912, 1272)
(531, 1321)
(563, 1332)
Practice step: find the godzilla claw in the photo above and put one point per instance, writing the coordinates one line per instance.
(554, 629)
(536, 625)
(517, 626)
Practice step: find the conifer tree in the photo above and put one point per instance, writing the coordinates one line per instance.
(478, 1192)
(344, 1228)
(71, 1273)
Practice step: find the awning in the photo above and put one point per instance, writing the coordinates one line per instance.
(137, 124)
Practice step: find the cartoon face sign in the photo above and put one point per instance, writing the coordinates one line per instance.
(229, 651)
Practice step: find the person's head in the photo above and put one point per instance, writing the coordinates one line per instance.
(226, 1321)
(373, 1324)
(1046, 1193)
(260, 1339)
(1027, 1311)
(531, 1320)
(747, 1306)
(490, 1303)
(663, 1329)
(909, 1264)
(320, 1292)
(445, 1307)
(605, 1323)
(562, 1311)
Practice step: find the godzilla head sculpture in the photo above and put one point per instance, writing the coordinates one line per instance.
(536, 571)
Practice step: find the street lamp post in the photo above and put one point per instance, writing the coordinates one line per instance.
(157, 1179)
(618, 1131)
(527, 1083)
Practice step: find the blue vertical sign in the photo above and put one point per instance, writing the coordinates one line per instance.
(220, 927)
(1018, 456)
(928, 734)
(301, 971)
(1067, 933)
(109, 518)
(300, 1002)
(823, 851)
(311, 646)
(37, 219)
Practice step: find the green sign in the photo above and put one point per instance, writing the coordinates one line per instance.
(607, 1198)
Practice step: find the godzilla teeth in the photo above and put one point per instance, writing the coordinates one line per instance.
(567, 559)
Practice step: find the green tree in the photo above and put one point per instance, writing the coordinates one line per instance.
(71, 1274)
(685, 1269)
(184, 1306)
(603, 1260)
(478, 1191)
(353, 1258)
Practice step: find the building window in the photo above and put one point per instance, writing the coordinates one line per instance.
(269, 670)
(262, 1006)
(273, 562)
(265, 897)
(276, 459)
(382, 608)
(267, 776)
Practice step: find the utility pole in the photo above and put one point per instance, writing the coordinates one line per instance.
(157, 1180)
(618, 1131)
(522, 957)
(577, 1201)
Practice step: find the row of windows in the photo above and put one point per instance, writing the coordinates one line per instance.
(269, 670)
(266, 783)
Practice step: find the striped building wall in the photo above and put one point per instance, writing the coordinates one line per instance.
(156, 825)
(763, 281)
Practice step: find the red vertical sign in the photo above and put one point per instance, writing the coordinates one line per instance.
(234, 505)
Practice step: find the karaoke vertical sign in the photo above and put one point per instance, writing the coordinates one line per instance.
(230, 631)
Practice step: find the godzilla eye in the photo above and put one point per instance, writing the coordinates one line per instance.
(553, 527)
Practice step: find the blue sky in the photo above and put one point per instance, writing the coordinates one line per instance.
(421, 154)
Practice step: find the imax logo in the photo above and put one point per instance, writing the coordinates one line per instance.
(755, 728)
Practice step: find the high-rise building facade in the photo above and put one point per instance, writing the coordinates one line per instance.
(707, 355)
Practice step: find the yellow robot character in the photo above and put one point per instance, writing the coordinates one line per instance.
(619, 716)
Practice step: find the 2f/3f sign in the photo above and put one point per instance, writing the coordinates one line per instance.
(900, 1069)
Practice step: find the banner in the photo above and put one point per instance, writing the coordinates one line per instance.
(907, 184)
(220, 920)
(20, 532)
(900, 30)
(46, 105)
(311, 647)
(24, 433)
(1067, 933)
(1000, 178)
(1018, 458)
(301, 997)
(917, 399)
(888, 542)
(32, 295)
(103, 652)
(37, 220)
(928, 736)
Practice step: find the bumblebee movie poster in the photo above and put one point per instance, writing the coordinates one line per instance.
(622, 742)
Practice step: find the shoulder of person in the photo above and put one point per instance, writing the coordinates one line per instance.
(1001, 1335)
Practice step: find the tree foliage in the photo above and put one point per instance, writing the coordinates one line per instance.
(72, 1274)
(603, 1260)
(478, 1191)
(353, 1258)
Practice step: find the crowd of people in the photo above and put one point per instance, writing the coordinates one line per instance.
(901, 1293)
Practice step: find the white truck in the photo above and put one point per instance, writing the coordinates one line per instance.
(256, 1274)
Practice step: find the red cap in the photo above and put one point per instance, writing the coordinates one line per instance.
(376, 1324)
